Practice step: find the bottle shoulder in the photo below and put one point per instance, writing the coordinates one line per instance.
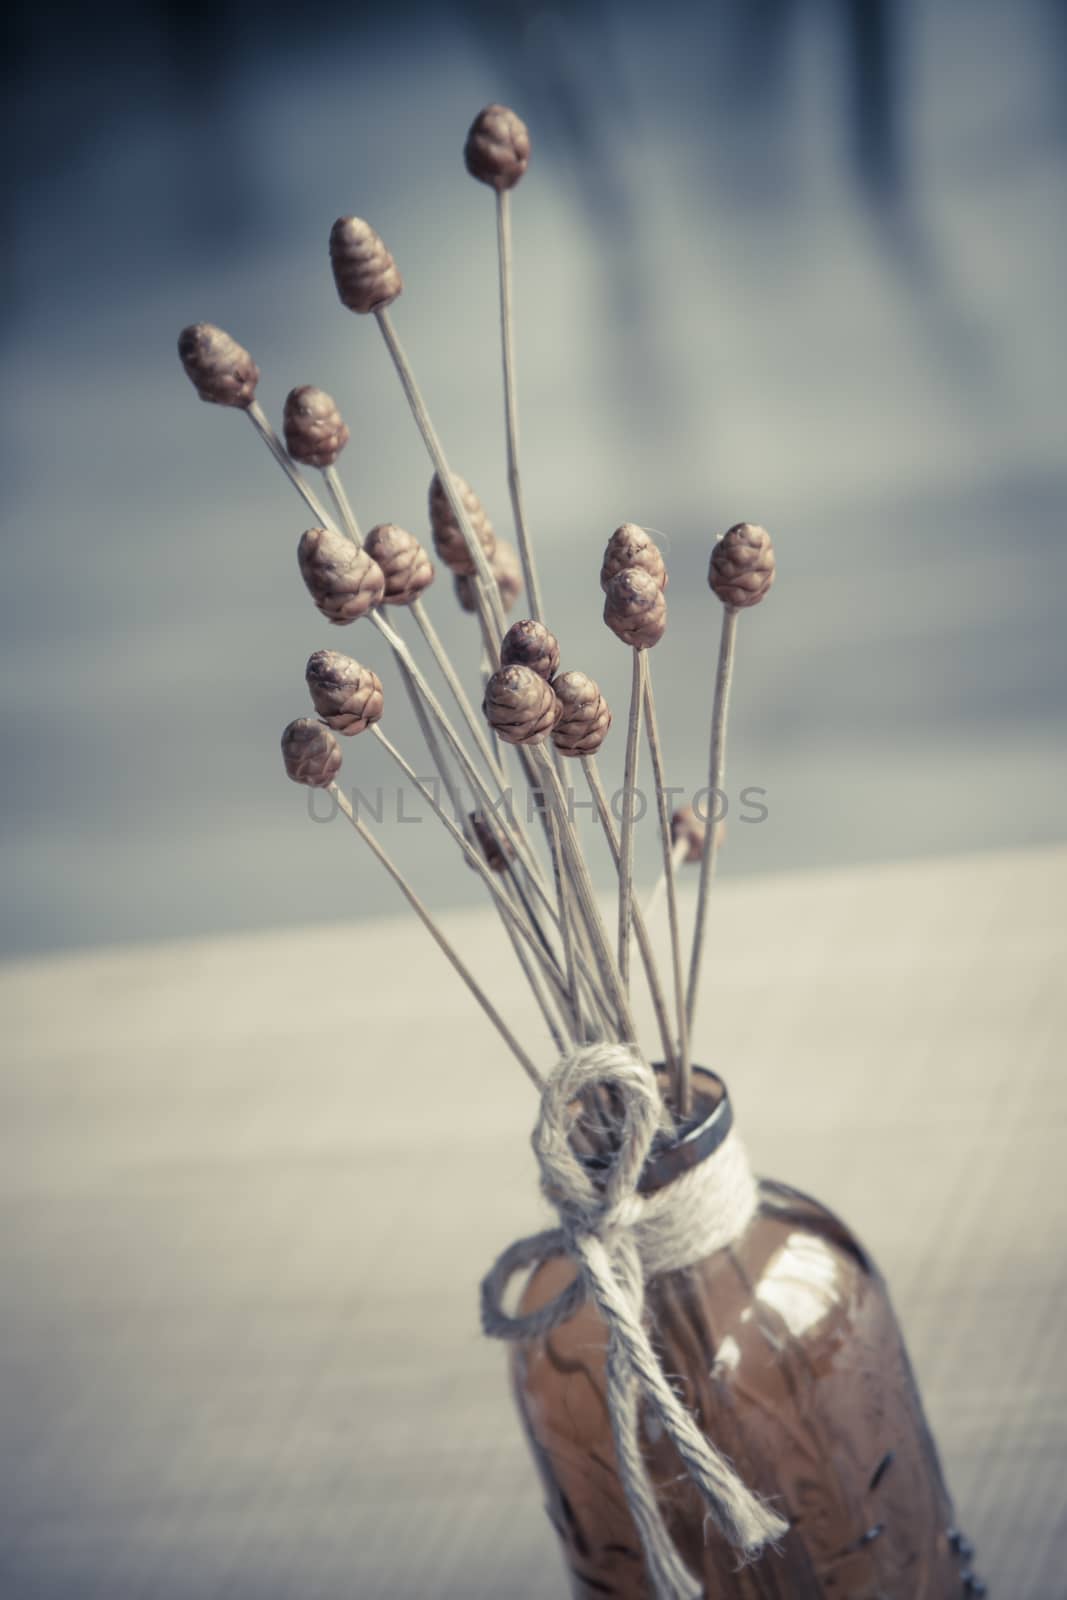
(795, 1274)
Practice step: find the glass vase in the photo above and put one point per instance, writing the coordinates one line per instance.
(785, 1346)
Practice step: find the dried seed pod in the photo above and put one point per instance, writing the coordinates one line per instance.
(497, 151)
(344, 582)
(742, 565)
(365, 273)
(220, 370)
(407, 567)
(505, 566)
(634, 608)
(529, 644)
(497, 852)
(585, 716)
(521, 707)
(347, 696)
(315, 432)
(448, 538)
(631, 546)
(687, 826)
(311, 753)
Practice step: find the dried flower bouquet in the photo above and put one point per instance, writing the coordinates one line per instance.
(640, 1164)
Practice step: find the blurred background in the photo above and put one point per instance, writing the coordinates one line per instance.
(792, 261)
(799, 262)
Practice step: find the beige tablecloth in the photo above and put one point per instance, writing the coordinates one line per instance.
(249, 1186)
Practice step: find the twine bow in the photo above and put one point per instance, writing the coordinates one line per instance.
(598, 1230)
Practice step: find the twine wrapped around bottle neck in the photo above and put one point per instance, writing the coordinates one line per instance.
(618, 1238)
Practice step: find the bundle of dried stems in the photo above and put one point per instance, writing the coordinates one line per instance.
(538, 880)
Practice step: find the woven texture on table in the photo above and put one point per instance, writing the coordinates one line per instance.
(241, 1358)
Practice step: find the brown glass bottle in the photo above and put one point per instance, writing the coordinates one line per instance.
(786, 1348)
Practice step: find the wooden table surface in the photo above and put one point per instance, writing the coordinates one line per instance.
(249, 1187)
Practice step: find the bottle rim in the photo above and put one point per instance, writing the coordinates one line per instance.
(697, 1139)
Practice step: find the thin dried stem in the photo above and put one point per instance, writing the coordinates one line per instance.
(486, 583)
(500, 750)
(679, 852)
(342, 504)
(459, 694)
(443, 944)
(532, 975)
(597, 994)
(683, 1094)
(566, 930)
(644, 943)
(515, 923)
(499, 821)
(496, 818)
(720, 711)
(474, 857)
(437, 755)
(511, 411)
(261, 422)
(626, 846)
(583, 886)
